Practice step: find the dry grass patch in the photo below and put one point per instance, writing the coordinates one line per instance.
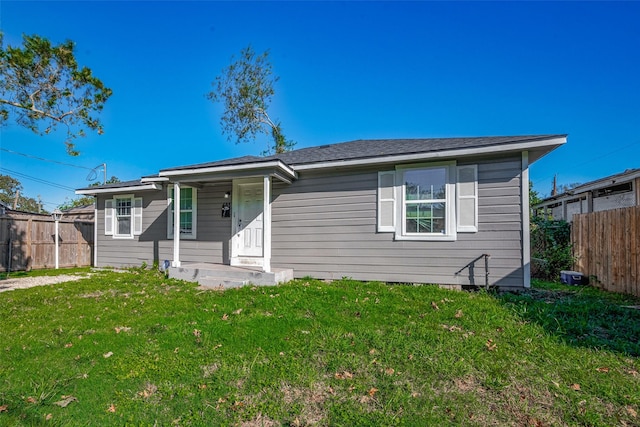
(311, 401)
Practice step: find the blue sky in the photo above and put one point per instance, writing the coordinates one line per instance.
(348, 70)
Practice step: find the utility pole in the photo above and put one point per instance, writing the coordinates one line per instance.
(15, 201)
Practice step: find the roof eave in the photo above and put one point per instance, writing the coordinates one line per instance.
(114, 190)
(537, 149)
(150, 179)
(277, 166)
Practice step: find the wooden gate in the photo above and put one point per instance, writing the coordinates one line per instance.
(29, 243)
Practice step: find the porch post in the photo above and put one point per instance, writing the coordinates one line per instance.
(266, 221)
(176, 225)
(95, 230)
(526, 237)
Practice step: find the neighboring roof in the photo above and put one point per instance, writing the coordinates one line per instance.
(9, 211)
(363, 149)
(134, 185)
(80, 210)
(619, 178)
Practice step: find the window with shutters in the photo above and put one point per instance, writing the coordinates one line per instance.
(428, 201)
(123, 216)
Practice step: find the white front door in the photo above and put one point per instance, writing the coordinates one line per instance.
(249, 226)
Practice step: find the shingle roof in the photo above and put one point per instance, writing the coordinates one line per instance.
(122, 184)
(372, 148)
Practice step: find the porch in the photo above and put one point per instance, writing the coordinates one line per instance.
(219, 276)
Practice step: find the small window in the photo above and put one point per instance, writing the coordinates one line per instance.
(188, 212)
(123, 216)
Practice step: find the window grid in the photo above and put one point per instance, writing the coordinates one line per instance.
(187, 212)
(425, 204)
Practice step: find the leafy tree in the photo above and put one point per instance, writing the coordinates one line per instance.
(245, 88)
(42, 86)
(85, 200)
(551, 248)
(10, 188)
(534, 196)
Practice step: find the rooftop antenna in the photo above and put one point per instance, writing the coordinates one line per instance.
(94, 173)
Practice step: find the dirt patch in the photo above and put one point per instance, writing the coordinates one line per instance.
(260, 421)
(310, 400)
(30, 282)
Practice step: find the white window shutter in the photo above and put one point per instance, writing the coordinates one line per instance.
(108, 217)
(467, 199)
(387, 201)
(137, 216)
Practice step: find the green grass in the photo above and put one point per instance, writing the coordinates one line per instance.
(582, 316)
(139, 349)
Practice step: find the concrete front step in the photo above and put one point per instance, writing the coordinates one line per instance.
(216, 275)
(221, 282)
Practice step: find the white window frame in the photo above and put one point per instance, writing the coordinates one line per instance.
(450, 219)
(111, 216)
(194, 212)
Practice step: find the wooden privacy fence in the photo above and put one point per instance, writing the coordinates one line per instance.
(29, 243)
(607, 245)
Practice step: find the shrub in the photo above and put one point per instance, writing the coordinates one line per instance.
(551, 249)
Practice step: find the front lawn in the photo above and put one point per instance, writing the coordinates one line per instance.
(139, 349)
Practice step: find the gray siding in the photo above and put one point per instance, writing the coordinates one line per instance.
(213, 232)
(324, 226)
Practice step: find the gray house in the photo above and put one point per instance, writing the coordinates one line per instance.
(397, 210)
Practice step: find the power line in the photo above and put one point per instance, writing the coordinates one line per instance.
(42, 181)
(591, 160)
(30, 156)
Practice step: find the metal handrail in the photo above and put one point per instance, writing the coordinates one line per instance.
(486, 268)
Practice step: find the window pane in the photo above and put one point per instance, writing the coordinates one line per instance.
(186, 199)
(123, 207)
(186, 222)
(425, 217)
(124, 225)
(425, 184)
